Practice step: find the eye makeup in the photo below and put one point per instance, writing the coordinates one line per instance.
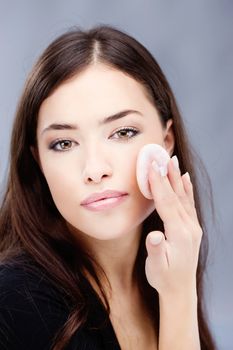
(54, 144)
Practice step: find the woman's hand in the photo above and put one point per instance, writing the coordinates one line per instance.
(172, 262)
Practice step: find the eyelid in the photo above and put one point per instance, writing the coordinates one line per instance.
(54, 143)
(127, 128)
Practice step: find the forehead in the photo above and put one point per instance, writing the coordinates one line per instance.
(97, 91)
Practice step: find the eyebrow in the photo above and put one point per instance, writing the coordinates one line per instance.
(109, 119)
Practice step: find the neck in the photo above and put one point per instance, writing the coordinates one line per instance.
(117, 258)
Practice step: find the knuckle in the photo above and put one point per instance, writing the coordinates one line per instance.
(184, 199)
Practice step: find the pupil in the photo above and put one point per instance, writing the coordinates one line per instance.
(66, 143)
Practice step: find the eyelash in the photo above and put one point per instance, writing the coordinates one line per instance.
(57, 142)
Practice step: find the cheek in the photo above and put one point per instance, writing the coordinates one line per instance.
(65, 195)
(64, 184)
(141, 206)
(60, 180)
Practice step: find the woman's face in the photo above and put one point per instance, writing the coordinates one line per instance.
(93, 157)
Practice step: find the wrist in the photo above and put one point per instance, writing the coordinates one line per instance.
(186, 297)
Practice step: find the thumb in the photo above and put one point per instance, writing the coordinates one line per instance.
(155, 237)
(156, 245)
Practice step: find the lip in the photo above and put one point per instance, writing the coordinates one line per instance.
(94, 197)
(106, 203)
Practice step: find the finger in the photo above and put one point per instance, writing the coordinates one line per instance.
(181, 187)
(157, 252)
(190, 207)
(174, 176)
(166, 201)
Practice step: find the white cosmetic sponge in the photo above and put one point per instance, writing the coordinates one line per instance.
(146, 155)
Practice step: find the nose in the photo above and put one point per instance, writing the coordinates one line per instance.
(96, 168)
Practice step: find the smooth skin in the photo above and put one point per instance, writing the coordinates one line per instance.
(176, 257)
(172, 262)
(99, 157)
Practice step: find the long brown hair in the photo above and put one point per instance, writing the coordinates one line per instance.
(29, 219)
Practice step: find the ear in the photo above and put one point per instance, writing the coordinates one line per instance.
(169, 137)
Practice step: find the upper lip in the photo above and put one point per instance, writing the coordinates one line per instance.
(102, 195)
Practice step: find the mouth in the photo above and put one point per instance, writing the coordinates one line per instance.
(105, 203)
(105, 198)
(94, 197)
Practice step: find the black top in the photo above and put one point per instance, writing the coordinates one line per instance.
(32, 310)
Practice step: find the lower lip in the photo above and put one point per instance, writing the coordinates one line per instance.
(105, 203)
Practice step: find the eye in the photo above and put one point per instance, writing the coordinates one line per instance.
(64, 145)
(125, 131)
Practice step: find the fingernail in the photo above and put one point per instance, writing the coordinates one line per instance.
(175, 162)
(155, 239)
(187, 176)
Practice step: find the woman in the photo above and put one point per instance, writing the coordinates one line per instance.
(78, 276)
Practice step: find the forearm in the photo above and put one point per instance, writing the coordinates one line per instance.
(179, 323)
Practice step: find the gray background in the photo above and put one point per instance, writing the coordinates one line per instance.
(192, 41)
